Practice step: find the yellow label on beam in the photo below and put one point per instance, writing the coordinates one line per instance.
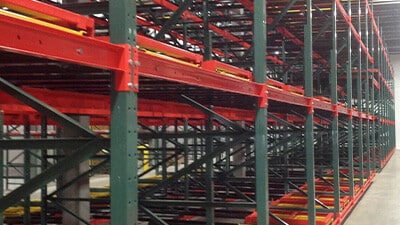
(39, 22)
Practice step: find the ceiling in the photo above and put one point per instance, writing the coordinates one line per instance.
(387, 12)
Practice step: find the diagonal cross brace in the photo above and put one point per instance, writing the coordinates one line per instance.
(228, 123)
(284, 122)
(174, 18)
(93, 170)
(281, 15)
(53, 172)
(67, 143)
(209, 156)
(153, 216)
(44, 109)
(301, 190)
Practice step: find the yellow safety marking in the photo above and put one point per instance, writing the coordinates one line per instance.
(290, 205)
(141, 185)
(225, 73)
(160, 55)
(29, 12)
(326, 198)
(298, 197)
(282, 216)
(39, 22)
(99, 194)
(146, 162)
(305, 217)
(18, 211)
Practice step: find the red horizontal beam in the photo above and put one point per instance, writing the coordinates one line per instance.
(376, 83)
(282, 30)
(161, 68)
(51, 14)
(45, 42)
(98, 106)
(188, 15)
(386, 84)
(143, 22)
(34, 39)
(170, 50)
(381, 77)
(347, 18)
(292, 98)
(378, 35)
(387, 122)
(153, 111)
(163, 48)
(217, 66)
(285, 87)
(247, 4)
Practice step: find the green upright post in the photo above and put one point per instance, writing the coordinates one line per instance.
(157, 153)
(393, 132)
(379, 112)
(260, 142)
(164, 167)
(225, 53)
(207, 32)
(286, 156)
(186, 157)
(227, 158)
(372, 111)
(124, 157)
(210, 215)
(388, 111)
(43, 192)
(367, 97)
(1, 160)
(382, 108)
(392, 117)
(349, 80)
(385, 112)
(195, 147)
(309, 123)
(388, 105)
(176, 149)
(27, 173)
(359, 105)
(335, 120)
(285, 74)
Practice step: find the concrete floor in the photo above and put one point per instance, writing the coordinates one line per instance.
(381, 203)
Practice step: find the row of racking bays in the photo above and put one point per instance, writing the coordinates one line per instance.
(212, 112)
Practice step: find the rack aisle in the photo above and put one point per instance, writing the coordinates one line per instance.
(379, 194)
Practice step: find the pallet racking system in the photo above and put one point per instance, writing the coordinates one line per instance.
(190, 84)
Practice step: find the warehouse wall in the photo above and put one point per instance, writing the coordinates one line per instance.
(395, 60)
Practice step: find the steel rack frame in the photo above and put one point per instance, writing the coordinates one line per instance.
(169, 77)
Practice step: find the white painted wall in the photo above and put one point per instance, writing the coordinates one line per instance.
(395, 60)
